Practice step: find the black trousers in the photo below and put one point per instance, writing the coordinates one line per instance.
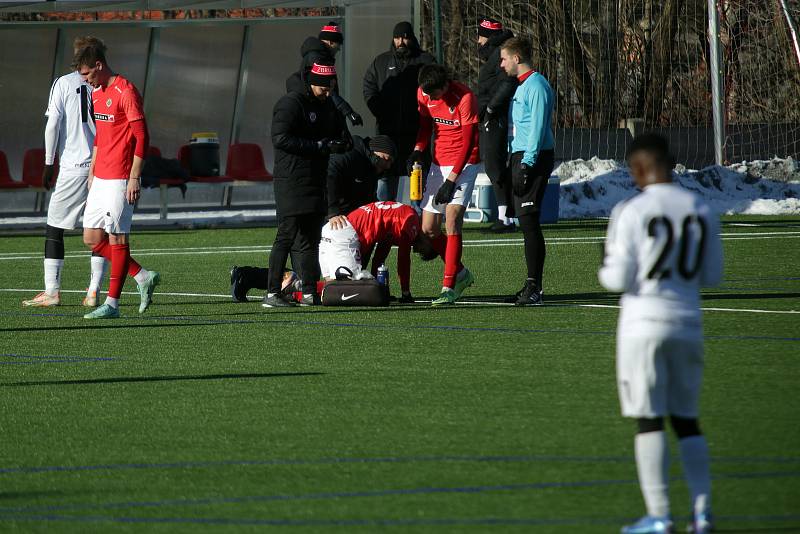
(494, 154)
(301, 232)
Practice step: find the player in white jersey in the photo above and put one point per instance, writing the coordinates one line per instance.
(69, 133)
(662, 246)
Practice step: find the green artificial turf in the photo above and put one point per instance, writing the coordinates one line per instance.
(205, 414)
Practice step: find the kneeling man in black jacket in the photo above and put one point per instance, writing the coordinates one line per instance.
(306, 129)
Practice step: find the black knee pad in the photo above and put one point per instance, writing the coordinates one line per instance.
(54, 243)
(649, 425)
(685, 427)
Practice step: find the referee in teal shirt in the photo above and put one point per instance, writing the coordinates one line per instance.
(531, 161)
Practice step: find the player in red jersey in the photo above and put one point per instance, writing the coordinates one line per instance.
(114, 185)
(350, 241)
(448, 109)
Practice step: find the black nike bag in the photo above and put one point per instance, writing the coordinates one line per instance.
(345, 292)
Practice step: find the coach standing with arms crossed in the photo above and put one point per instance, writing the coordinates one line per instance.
(531, 158)
(306, 129)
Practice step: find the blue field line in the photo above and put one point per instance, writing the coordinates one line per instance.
(27, 359)
(377, 460)
(447, 328)
(370, 493)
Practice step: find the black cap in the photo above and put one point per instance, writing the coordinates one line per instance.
(383, 143)
(403, 29)
(331, 32)
(488, 27)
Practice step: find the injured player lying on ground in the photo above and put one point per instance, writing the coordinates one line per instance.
(346, 247)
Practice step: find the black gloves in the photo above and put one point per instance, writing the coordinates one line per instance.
(332, 146)
(445, 193)
(47, 176)
(521, 179)
(355, 119)
(488, 115)
(415, 157)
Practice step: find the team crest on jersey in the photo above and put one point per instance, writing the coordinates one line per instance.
(312, 117)
(452, 109)
(108, 103)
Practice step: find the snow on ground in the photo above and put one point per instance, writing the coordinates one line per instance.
(592, 188)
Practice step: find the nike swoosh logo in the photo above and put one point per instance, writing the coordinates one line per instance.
(392, 68)
(432, 105)
(348, 297)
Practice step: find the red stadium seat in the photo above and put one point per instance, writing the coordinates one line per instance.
(184, 156)
(33, 166)
(154, 151)
(6, 181)
(246, 162)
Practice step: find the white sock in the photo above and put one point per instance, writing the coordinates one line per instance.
(114, 303)
(142, 276)
(501, 214)
(652, 463)
(694, 455)
(52, 275)
(98, 266)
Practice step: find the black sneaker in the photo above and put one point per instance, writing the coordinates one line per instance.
(310, 299)
(531, 295)
(238, 289)
(278, 300)
(499, 227)
(515, 297)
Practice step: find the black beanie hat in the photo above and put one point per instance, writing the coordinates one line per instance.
(489, 27)
(383, 143)
(331, 32)
(403, 29)
(322, 75)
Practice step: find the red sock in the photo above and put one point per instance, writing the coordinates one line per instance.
(452, 260)
(120, 256)
(103, 248)
(440, 245)
(133, 265)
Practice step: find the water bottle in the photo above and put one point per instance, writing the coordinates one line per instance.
(415, 182)
(383, 275)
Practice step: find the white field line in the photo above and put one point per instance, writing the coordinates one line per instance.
(251, 249)
(423, 301)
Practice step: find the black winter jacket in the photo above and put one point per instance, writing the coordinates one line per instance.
(495, 87)
(311, 51)
(299, 121)
(390, 89)
(352, 179)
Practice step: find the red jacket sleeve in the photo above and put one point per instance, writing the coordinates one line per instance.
(139, 130)
(425, 124)
(468, 112)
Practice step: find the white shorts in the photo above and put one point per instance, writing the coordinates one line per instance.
(107, 207)
(340, 248)
(659, 376)
(464, 185)
(68, 198)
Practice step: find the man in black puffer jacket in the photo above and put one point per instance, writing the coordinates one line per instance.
(324, 48)
(390, 91)
(495, 91)
(306, 129)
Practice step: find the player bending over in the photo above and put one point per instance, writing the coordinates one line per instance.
(114, 177)
(70, 133)
(449, 110)
(349, 242)
(662, 246)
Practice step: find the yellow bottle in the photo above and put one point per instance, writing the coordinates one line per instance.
(415, 182)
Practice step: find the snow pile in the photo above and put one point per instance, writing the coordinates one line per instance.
(592, 188)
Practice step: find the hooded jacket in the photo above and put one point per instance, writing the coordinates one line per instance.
(311, 51)
(390, 89)
(495, 87)
(299, 122)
